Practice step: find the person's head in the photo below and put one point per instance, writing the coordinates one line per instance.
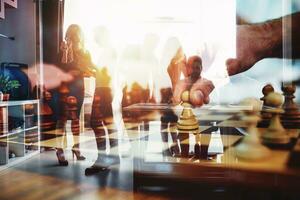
(75, 36)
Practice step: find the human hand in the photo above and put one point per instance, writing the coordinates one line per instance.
(254, 43)
(199, 90)
(52, 76)
(199, 87)
(176, 66)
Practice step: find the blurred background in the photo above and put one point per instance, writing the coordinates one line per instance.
(136, 39)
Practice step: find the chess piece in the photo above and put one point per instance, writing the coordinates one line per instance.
(136, 93)
(63, 91)
(168, 115)
(291, 116)
(29, 115)
(71, 108)
(251, 148)
(187, 121)
(265, 116)
(275, 134)
(46, 112)
(294, 158)
(96, 112)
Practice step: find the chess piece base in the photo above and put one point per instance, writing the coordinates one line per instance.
(187, 121)
(275, 137)
(250, 150)
(188, 124)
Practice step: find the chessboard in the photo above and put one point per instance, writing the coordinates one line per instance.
(161, 151)
(210, 156)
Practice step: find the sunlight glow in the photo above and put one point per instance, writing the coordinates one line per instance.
(132, 35)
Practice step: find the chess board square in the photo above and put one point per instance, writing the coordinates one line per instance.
(205, 139)
(61, 142)
(232, 123)
(212, 117)
(130, 134)
(225, 130)
(173, 129)
(58, 132)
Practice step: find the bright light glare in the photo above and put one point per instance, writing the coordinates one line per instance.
(134, 43)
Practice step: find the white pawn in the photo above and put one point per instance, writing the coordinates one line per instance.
(275, 133)
(250, 147)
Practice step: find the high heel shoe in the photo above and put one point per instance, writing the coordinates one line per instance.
(61, 158)
(77, 154)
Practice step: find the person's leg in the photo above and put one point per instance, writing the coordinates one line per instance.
(77, 90)
(101, 108)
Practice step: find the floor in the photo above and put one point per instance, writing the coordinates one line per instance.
(42, 178)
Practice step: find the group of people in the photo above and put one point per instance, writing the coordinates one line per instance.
(254, 43)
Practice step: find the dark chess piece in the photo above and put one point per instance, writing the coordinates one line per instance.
(126, 101)
(71, 108)
(30, 121)
(291, 116)
(135, 96)
(96, 112)
(294, 158)
(63, 91)
(265, 116)
(105, 101)
(46, 112)
(75, 126)
(126, 97)
(40, 92)
(29, 115)
(102, 105)
(136, 93)
(168, 115)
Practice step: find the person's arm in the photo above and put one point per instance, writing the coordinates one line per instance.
(52, 76)
(254, 43)
(265, 40)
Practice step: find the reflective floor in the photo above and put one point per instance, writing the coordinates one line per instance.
(148, 158)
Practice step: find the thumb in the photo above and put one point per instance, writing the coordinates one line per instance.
(233, 66)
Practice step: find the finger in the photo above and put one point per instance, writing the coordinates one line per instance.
(233, 66)
(193, 65)
(180, 87)
(67, 77)
(206, 87)
(206, 100)
(197, 98)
